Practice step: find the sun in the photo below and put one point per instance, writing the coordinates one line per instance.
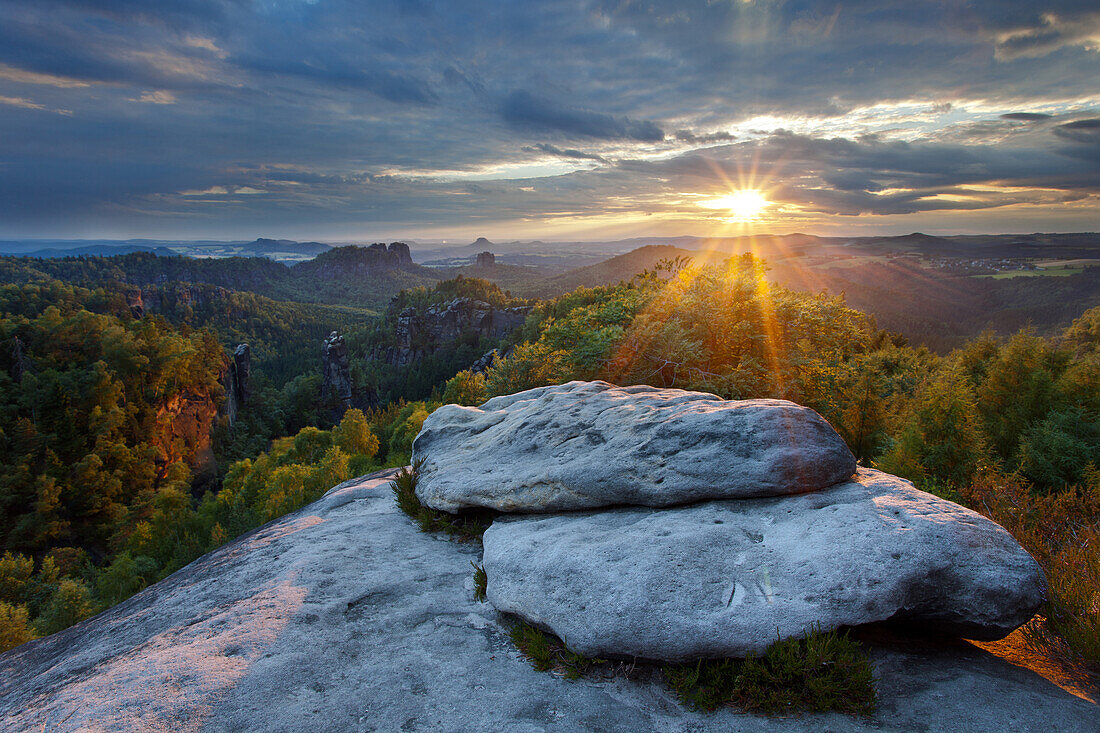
(744, 205)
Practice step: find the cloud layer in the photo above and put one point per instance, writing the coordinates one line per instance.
(363, 119)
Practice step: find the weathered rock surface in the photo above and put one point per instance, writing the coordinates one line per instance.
(583, 445)
(722, 578)
(343, 617)
(486, 259)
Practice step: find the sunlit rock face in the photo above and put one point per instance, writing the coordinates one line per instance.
(583, 445)
(724, 578)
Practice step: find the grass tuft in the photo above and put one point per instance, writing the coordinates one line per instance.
(547, 652)
(824, 671)
(466, 527)
(481, 582)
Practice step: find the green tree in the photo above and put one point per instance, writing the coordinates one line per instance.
(70, 604)
(465, 388)
(353, 435)
(15, 627)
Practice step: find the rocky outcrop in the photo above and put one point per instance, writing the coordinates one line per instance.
(237, 381)
(183, 432)
(419, 333)
(336, 387)
(341, 263)
(343, 616)
(723, 578)
(751, 525)
(338, 393)
(19, 364)
(486, 259)
(486, 361)
(174, 297)
(590, 444)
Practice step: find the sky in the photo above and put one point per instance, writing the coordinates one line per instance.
(557, 119)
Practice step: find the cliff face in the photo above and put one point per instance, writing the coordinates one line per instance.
(172, 297)
(420, 333)
(183, 431)
(342, 262)
(338, 394)
(237, 381)
(336, 389)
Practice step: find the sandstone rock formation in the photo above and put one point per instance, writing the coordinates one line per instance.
(343, 616)
(19, 364)
(589, 444)
(486, 361)
(751, 525)
(173, 297)
(486, 259)
(237, 381)
(336, 387)
(350, 261)
(420, 333)
(723, 578)
(183, 432)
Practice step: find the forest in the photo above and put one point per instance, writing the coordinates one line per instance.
(98, 498)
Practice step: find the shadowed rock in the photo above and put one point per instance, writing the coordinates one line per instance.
(724, 578)
(583, 445)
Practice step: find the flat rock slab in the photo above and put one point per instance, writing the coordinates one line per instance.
(584, 445)
(723, 578)
(344, 617)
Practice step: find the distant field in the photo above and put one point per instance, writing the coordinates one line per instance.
(1064, 272)
(1047, 264)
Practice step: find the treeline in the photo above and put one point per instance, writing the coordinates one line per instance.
(167, 530)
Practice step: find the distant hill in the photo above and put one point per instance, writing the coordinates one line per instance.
(283, 250)
(355, 276)
(613, 270)
(100, 250)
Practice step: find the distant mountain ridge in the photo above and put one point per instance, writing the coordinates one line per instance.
(283, 250)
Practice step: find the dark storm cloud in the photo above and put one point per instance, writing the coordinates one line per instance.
(688, 136)
(116, 112)
(523, 109)
(569, 153)
(1026, 116)
(1081, 131)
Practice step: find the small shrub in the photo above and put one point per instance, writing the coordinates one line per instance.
(466, 527)
(1061, 529)
(481, 582)
(69, 604)
(824, 671)
(547, 652)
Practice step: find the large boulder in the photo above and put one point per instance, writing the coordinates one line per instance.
(584, 445)
(725, 578)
